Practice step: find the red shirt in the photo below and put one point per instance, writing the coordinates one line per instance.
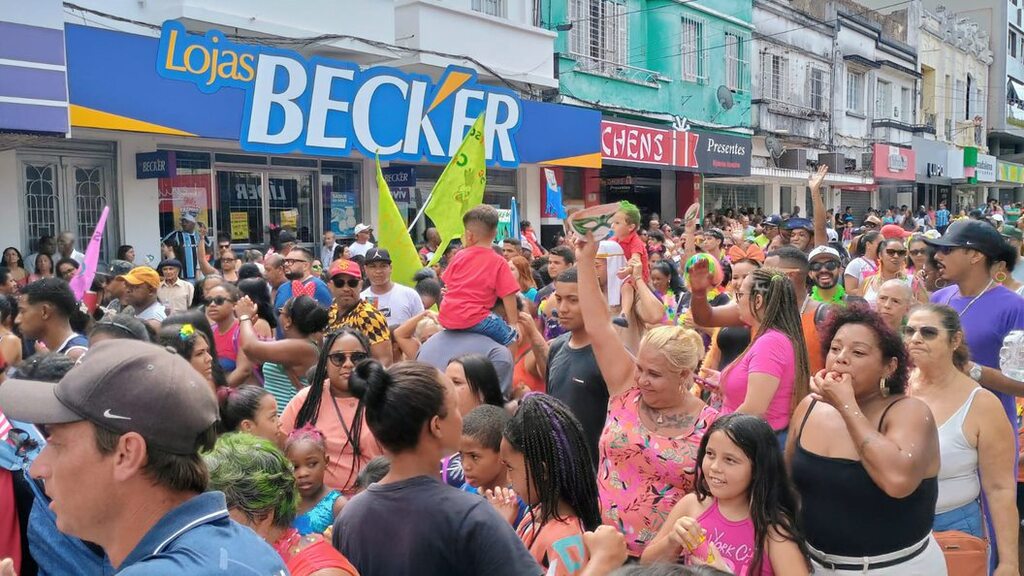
(632, 244)
(475, 279)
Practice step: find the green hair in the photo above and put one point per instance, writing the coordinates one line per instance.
(631, 212)
(254, 476)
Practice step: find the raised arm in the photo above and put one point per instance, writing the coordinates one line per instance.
(701, 310)
(405, 334)
(288, 352)
(818, 204)
(613, 359)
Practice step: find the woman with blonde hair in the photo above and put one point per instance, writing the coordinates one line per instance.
(654, 425)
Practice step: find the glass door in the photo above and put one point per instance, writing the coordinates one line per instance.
(290, 204)
(240, 211)
(245, 212)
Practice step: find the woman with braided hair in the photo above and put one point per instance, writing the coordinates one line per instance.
(771, 376)
(329, 404)
(550, 468)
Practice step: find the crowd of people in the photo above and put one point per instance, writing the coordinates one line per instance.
(735, 394)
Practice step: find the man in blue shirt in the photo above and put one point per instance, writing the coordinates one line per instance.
(298, 266)
(184, 242)
(122, 463)
(942, 218)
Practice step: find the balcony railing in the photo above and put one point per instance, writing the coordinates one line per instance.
(611, 69)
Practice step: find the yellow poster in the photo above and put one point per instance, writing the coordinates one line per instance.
(239, 225)
(290, 219)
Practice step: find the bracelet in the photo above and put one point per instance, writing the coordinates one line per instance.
(244, 317)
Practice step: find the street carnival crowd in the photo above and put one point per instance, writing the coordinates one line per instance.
(722, 393)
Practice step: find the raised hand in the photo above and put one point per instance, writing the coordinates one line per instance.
(816, 179)
(504, 501)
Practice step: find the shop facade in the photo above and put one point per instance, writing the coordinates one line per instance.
(893, 168)
(248, 138)
(1009, 184)
(937, 167)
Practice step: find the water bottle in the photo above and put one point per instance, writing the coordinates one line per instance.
(1011, 355)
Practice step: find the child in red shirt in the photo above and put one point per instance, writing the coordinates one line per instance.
(624, 225)
(476, 278)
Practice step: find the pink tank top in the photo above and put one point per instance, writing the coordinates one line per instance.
(734, 540)
(227, 345)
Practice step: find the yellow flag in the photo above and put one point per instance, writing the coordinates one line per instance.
(460, 187)
(393, 236)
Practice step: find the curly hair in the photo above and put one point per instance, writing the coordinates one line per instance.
(255, 478)
(890, 343)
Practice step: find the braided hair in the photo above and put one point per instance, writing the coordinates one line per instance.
(310, 410)
(558, 461)
(781, 312)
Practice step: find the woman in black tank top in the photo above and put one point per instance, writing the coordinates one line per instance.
(864, 457)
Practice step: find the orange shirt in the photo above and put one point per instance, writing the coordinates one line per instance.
(558, 543)
(815, 355)
(342, 468)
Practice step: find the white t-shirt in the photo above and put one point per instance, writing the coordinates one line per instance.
(155, 311)
(357, 249)
(860, 268)
(397, 305)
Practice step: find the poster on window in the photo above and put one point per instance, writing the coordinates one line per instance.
(239, 226)
(186, 194)
(343, 212)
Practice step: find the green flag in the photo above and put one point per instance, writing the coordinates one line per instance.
(460, 187)
(393, 237)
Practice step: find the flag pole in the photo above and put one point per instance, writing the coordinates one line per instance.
(420, 213)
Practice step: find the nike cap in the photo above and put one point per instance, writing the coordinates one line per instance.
(123, 386)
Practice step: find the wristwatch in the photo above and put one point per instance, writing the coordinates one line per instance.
(975, 372)
(244, 317)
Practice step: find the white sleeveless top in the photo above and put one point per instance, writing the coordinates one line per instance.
(958, 472)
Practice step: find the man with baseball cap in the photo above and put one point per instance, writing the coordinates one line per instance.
(122, 465)
(349, 309)
(141, 293)
(174, 293)
(769, 230)
(362, 244)
(988, 311)
(801, 233)
(184, 243)
(396, 302)
(826, 267)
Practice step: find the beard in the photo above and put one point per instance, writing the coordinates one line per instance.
(827, 284)
(294, 275)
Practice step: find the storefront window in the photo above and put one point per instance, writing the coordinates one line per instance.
(721, 196)
(187, 192)
(340, 184)
(501, 187)
(240, 211)
(291, 204)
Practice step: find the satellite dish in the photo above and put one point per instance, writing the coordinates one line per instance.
(775, 148)
(725, 97)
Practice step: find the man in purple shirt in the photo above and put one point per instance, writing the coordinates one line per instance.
(988, 311)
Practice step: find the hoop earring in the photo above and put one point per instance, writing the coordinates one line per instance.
(883, 388)
(941, 283)
(997, 277)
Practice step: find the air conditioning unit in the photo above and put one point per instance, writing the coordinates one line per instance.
(794, 159)
(867, 160)
(835, 161)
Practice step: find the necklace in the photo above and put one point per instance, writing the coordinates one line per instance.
(836, 298)
(975, 299)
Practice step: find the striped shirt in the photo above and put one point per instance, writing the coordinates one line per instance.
(184, 244)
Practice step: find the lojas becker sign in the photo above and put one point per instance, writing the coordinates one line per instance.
(691, 150)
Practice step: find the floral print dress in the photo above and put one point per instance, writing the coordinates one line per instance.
(642, 475)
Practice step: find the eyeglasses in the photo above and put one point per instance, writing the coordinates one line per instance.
(895, 252)
(295, 261)
(22, 441)
(927, 332)
(224, 246)
(218, 300)
(870, 225)
(339, 358)
(340, 282)
(918, 252)
(831, 266)
(741, 295)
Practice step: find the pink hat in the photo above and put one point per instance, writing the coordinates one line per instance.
(890, 231)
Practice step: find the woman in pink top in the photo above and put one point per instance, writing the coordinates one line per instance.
(742, 517)
(771, 375)
(648, 448)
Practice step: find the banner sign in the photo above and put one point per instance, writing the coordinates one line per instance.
(690, 150)
(278, 101)
(159, 164)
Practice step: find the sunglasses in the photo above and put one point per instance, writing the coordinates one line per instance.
(224, 246)
(22, 441)
(339, 358)
(831, 266)
(895, 252)
(918, 252)
(318, 267)
(340, 282)
(947, 250)
(927, 332)
(218, 300)
(869, 225)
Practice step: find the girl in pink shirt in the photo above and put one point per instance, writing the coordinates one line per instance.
(742, 516)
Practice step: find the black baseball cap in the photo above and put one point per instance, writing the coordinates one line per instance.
(123, 386)
(377, 255)
(799, 224)
(973, 234)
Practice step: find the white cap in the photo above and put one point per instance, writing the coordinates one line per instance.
(997, 217)
(827, 250)
(833, 236)
(362, 228)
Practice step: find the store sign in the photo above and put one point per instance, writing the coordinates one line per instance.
(892, 163)
(159, 164)
(329, 107)
(1010, 172)
(691, 150)
(985, 169)
(401, 180)
(934, 170)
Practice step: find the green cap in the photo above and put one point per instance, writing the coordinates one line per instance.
(1011, 232)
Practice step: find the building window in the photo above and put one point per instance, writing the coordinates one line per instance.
(694, 68)
(1012, 43)
(883, 100)
(491, 7)
(905, 106)
(855, 91)
(819, 89)
(736, 62)
(960, 96)
(599, 33)
(774, 76)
